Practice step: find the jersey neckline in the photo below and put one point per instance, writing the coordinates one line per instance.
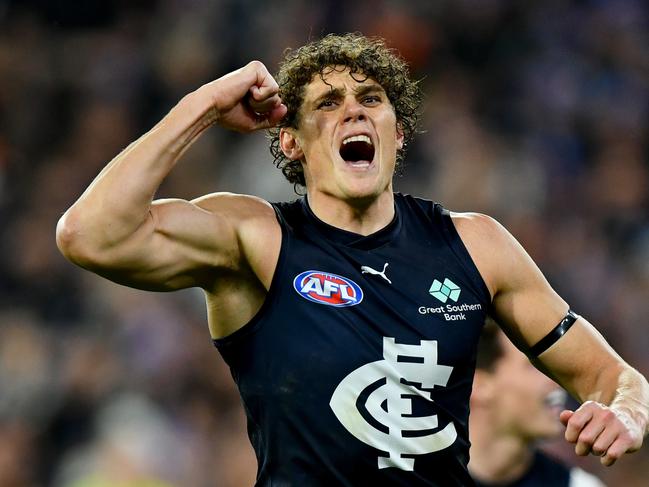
(351, 239)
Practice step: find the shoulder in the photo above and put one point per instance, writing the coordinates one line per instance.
(482, 233)
(495, 252)
(253, 220)
(241, 212)
(235, 206)
(472, 226)
(254, 225)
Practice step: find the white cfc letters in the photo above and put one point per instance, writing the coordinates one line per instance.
(391, 403)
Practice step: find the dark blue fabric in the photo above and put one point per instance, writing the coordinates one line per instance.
(289, 360)
(544, 472)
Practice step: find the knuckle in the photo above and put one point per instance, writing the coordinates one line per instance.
(577, 422)
(608, 415)
(256, 64)
(588, 405)
(627, 440)
(587, 438)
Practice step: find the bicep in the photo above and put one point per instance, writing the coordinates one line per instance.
(523, 302)
(179, 245)
(527, 308)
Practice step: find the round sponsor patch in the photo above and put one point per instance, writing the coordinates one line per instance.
(327, 288)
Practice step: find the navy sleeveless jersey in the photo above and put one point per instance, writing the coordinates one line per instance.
(357, 369)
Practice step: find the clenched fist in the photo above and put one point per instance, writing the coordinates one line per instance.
(607, 432)
(244, 100)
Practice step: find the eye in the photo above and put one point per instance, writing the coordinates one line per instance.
(326, 103)
(371, 99)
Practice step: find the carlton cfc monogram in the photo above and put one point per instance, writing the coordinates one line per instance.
(397, 397)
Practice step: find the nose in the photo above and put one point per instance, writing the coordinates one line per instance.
(353, 110)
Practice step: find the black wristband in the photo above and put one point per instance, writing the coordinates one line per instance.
(557, 332)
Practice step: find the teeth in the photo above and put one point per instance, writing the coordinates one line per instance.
(357, 138)
(556, 398)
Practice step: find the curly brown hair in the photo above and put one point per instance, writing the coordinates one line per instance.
(364, 56)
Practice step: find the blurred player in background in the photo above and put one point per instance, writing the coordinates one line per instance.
(513, 407)
(350, 317)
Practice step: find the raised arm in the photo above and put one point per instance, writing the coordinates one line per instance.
(614, 416)
(116, 229)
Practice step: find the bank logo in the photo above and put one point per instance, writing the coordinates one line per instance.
(326, 288)
(444, 291)
(375, 403)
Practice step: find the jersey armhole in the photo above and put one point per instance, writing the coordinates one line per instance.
(459, 249)
(273, 292)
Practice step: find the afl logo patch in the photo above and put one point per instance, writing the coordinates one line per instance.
(326, 288)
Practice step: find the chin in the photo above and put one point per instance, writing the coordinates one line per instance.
(354, 188)
(361, 195)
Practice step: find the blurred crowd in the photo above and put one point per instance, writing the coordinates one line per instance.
(537, 113)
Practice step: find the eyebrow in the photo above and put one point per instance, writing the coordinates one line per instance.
(359, 91)
(369, 88)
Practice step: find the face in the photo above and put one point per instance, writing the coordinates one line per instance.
(526, 402)
(347, 137)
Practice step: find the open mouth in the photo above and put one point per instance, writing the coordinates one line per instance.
(357, 150)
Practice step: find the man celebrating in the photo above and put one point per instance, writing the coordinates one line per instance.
(349, 318)
(513, 406)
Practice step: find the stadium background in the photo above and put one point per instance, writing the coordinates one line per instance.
(537, 113)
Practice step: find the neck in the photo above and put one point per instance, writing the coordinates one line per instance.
(497, 457)
(363, 216)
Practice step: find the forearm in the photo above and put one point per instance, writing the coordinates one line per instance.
(632, 396)
(118, 201)
(611, 381)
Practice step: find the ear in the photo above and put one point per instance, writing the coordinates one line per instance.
(400, 136)
(289, 144)
(484, 388)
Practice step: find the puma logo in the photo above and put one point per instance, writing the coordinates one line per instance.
(365, 269)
